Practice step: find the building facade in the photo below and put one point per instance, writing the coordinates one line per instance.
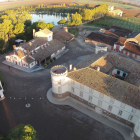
(38, 50)
(1, 92)
(103, 88)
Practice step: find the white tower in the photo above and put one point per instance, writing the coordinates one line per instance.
(59, 81)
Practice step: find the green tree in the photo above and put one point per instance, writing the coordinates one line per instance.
(19, 28)
(62, 22)
(22, 132)
(76, 19)
(68, 17)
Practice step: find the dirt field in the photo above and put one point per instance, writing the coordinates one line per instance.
(10, 5)
(130, 12)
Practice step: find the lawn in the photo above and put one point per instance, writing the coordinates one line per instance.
(124, 22)
(108, 3)
(74, 31)
(91, 29)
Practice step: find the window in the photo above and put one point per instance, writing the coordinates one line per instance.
(101, 95)
(72, 82)
(124, 74)
(90, 90)
(110, 108)
(112, 100)
(133, 110)
(90, 98)
(120, 112)
(81, 94)
(130, 117)
(108, 113)
(59, 82)
(81, 86)
(72, 89)
(59, 90)
(118, 117)
(118, 72)
(127, 122)
(122, 105)
(100, 103)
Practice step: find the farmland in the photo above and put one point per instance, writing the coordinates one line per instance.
(10, 5)
(124, 22)
(108, 3)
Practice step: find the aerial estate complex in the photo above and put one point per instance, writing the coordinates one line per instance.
(110, 86)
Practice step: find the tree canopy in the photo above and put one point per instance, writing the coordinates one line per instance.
(62, 22)
(12, 25)
(22, 132)
(42, 25)
(76, 19)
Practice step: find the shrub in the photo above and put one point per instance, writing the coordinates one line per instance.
(51, 60)
(54, 58)
(48, 63)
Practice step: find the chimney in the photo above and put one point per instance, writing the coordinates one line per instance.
(28, 52)
(24, 41)
(98, 68)
(33, 33)
(66, 29)
(70, 67)
(14, 47)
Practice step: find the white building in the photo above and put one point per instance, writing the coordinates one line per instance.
(38, 50)
(114, 12)
(1, 92)
(110, 86)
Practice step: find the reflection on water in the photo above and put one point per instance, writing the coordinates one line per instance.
(48, 17)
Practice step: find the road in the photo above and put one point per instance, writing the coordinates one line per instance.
(51, 121)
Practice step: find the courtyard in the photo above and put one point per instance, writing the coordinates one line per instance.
(51, 121)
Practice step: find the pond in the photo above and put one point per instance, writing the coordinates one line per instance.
(48, 17)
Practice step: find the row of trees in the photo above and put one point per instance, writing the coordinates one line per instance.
(88, 14)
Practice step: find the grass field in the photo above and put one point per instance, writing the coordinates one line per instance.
(127, 23)
(91, 29)
(74, 31)
(108, 3)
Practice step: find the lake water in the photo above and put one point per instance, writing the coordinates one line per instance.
(48, 17)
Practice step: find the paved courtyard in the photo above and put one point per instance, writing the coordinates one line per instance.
(52, 122)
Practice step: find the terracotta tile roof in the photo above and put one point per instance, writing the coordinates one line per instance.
(53, 46)
(20, 53)
(119, 43)
(46, 31)
(104, 65)
(122, 40)
(138, 38)
(111, 86)
(34, 43)
(102, 38)
(63, 36)
(111, 33)
(120, 31)
(131, 47)
(28, 59)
